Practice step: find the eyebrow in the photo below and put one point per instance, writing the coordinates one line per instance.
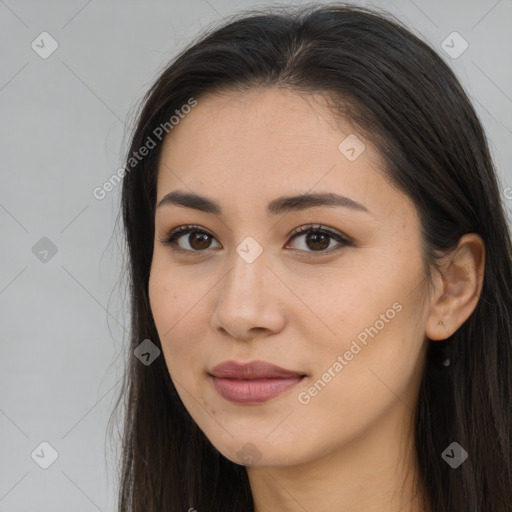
(277, 206)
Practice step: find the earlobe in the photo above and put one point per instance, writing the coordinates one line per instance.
(438, 330)
(461, 280)
(441, 322)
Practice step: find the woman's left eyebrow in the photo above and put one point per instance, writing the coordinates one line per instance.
(275, 207)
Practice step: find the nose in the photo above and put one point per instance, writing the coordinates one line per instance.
(249, 302)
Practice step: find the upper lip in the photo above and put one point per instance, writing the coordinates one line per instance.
(252, 370)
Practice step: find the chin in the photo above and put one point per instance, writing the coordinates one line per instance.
(260, 452)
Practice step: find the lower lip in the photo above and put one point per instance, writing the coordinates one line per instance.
(254, 391)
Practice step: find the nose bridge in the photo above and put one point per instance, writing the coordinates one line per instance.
(245, 304)
(248, 270)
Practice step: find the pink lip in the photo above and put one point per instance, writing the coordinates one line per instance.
(253, 382)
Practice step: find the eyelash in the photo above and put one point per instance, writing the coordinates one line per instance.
(187, 229)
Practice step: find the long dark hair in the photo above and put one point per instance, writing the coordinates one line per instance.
(402, 96)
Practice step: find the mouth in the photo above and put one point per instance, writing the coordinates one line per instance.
(252, 383)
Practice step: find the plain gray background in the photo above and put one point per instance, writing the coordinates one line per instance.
(64, 129)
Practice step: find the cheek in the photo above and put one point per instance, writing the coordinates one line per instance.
(376, 334)
(355, 383)
(178, 298)
(349, 305)
(163, 300)
(172, 311)
(169, 294)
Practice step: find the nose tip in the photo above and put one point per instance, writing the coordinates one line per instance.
(245, 307)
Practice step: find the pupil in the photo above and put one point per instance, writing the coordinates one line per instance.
(201, 238)
(313, 237)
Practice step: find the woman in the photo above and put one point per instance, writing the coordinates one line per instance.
(320, 277)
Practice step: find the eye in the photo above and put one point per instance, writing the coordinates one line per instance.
(317, 239)
(197, 239)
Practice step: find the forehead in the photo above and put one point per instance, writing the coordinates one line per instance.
(265, 143)
(266, 124)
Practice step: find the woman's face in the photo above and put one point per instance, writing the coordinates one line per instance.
(346, 318)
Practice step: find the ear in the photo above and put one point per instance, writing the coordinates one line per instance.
(457, 287)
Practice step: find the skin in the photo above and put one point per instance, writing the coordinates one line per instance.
(350, 447)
